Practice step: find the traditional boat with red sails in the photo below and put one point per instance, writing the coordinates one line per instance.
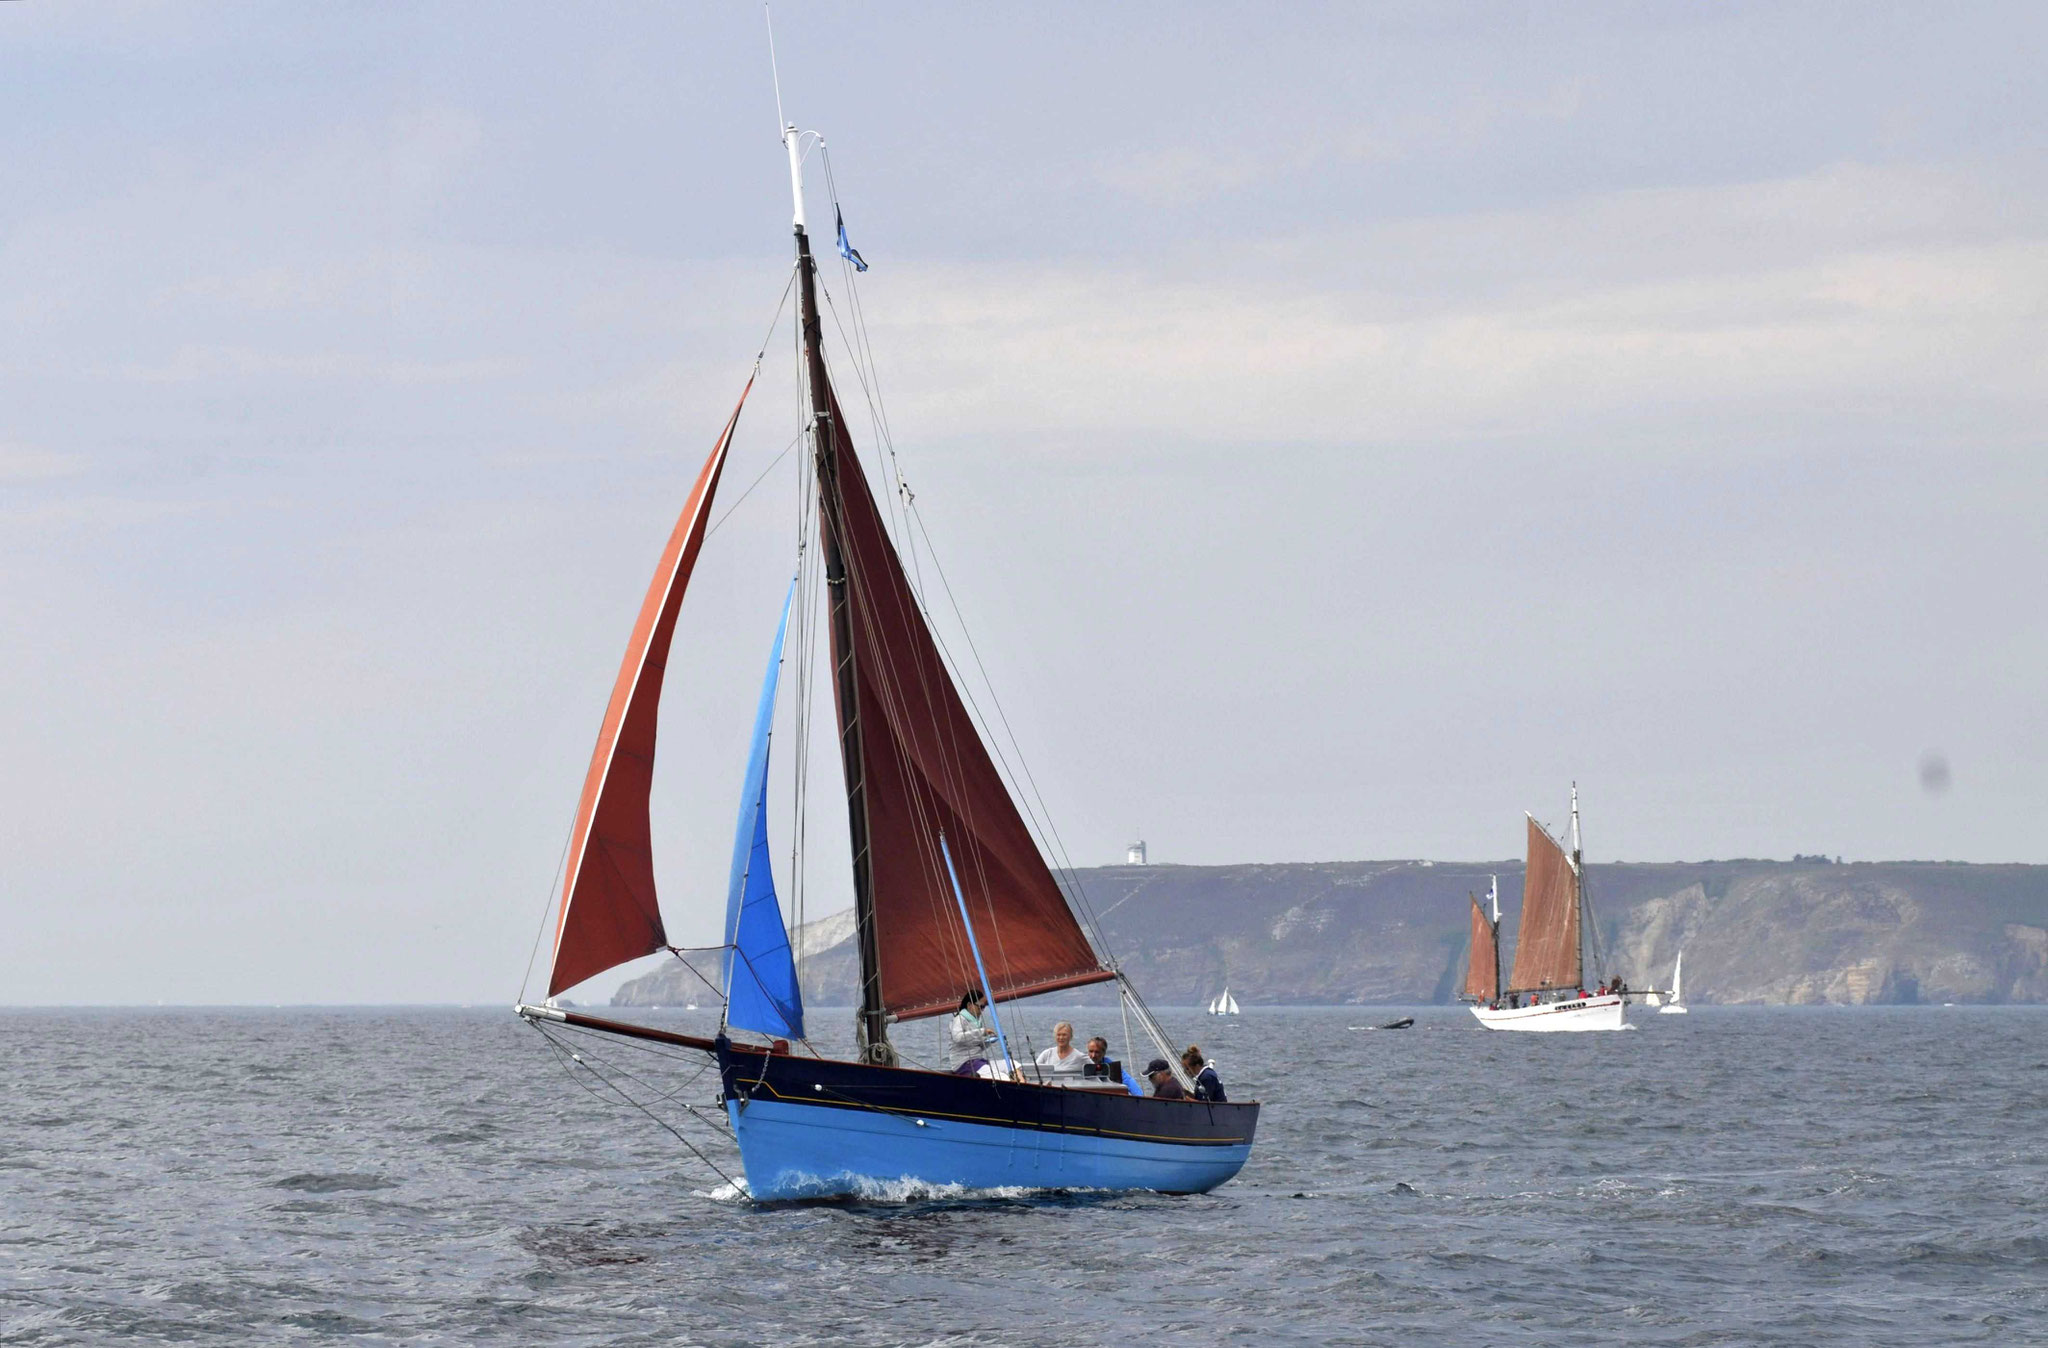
(1546, 990)
(950, 888)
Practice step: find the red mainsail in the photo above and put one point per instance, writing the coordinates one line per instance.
(1482, 978)
(608, 913)
(924, 771)
(1547, 946)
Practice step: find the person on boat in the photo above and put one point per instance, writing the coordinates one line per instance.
(1164, 1087)
(1098, 1057)
(1063, 1059)
(968, 1035)
(1208, 1086)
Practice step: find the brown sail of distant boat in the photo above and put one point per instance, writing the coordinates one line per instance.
(1482, 974)
(1546, 989)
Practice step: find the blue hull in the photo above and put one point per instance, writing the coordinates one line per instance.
(819, 1128)
(801, 1151)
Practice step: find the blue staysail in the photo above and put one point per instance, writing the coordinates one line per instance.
(760, 974)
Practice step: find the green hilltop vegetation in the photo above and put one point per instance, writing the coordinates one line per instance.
(1806, 932)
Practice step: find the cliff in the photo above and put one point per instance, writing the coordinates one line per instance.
(1802, 932)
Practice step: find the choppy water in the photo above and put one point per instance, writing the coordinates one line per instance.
(1773, 1177)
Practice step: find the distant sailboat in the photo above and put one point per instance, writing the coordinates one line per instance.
(1676, 1006)
(922, 791)
(1546, 990)
(1225, 1005)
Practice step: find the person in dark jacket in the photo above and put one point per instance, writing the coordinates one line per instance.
(1208, 1086)
(1164, 1087)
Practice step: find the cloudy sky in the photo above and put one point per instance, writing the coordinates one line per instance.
(1342, 429)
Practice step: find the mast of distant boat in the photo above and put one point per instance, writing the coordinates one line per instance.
(1493, 901)
(1588, 934)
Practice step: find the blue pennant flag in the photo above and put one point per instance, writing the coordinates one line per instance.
(847, 250)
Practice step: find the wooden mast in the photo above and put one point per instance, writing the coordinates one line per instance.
(872, 1021)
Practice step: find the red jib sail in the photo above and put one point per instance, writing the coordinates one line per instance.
(1482, 978)
(926, 771)
(1547, 947)
(608, 913)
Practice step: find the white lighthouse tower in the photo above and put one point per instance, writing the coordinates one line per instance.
(1134, 855)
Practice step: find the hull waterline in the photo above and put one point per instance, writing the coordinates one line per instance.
(1579, 1014)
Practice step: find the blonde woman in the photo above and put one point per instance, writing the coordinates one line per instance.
(1063, 1059)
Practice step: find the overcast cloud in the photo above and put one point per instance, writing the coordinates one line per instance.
(1342, 429)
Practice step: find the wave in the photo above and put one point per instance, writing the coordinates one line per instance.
(902, 1192)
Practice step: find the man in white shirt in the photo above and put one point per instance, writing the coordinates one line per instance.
(1063, 1059)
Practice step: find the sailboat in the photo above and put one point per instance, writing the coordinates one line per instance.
(1676, 1006)
(1546, 988)
(1224, 1005)
(950, 890)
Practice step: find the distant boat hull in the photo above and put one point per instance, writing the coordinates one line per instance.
(1585, 1013)
(815, 1128)
(1674, 1009)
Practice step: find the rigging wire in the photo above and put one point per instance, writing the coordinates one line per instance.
(678, 952)
(860, 349)
(571, 1059)
(568, 837)
(1033, 804)
(864, 353)
(1025, 792)
(750, 486)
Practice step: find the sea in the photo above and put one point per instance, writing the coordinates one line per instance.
(1865, 1176)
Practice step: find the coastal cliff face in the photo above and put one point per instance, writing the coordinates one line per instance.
(1849, 935)
(1395, 931)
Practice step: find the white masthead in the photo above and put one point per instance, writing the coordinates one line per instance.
(791, 138)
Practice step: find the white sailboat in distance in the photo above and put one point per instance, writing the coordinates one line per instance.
(1676, 1006)
(1225, 1005)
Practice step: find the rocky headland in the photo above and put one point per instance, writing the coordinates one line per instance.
(1754, 932)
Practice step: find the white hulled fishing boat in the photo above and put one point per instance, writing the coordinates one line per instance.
(1546, 991)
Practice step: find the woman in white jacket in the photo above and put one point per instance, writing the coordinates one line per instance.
(968, 1035)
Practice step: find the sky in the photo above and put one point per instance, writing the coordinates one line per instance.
(1342, 428)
